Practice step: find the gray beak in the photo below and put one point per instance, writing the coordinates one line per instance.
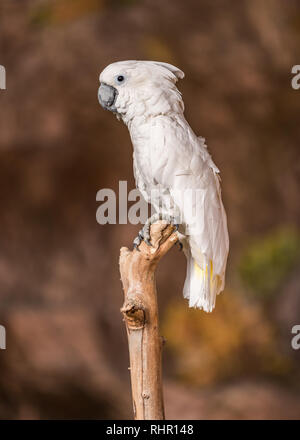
(107, 96)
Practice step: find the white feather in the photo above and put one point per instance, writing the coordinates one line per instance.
(169, 156)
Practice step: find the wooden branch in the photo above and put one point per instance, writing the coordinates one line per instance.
(140, 312)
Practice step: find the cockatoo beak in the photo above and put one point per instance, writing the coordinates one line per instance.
(107, 96)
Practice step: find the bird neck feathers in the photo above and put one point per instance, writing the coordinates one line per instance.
(146, 103)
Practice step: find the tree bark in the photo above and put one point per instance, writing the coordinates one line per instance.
(140, 312)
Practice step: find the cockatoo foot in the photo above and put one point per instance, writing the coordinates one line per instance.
(144, 234)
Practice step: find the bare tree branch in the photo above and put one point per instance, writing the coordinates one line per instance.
(140, 312)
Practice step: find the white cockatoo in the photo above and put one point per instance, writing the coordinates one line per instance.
(173, 169)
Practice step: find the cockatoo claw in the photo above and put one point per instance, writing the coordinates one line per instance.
(137, 241)
(136, 247)
(148, 242)
(180, 245)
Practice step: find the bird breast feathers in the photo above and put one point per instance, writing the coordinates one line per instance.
(167, 149)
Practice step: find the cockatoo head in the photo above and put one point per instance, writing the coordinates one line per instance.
(140, 88)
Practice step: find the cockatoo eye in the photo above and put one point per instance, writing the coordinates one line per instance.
(120, 79)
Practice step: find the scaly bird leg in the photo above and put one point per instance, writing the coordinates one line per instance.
(144, 233)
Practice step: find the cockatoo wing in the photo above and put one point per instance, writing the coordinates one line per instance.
(185, 167)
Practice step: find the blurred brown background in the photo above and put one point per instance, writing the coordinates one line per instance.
(60, 292)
